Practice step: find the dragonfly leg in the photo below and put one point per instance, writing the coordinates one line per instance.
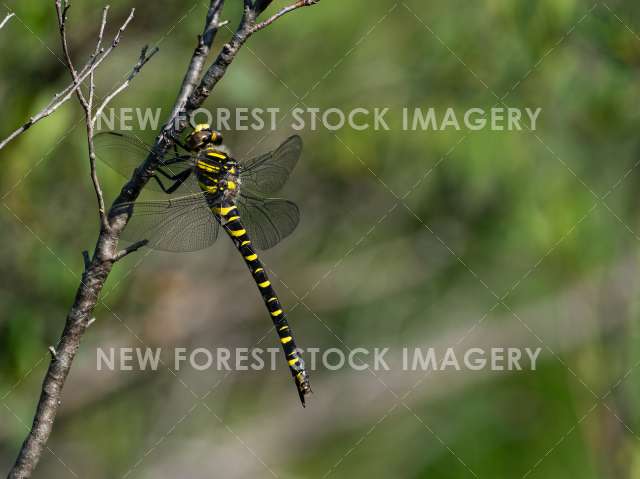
(173, 161)
(176, 141)
(179, 179)
(171, 176)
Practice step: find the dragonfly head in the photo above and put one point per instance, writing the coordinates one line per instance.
(202, 135)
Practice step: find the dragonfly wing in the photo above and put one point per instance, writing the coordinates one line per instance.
(268, 220)
(123, 153)
(267, 174)
(178, 224)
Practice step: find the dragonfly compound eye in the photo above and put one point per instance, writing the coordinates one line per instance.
(216, 137)
(200, 136)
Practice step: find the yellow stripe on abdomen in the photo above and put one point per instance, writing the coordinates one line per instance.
(224, 211)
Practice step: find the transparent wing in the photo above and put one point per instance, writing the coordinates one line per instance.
(123, 153)
(267, 220)
(177, 224)
(267, 174)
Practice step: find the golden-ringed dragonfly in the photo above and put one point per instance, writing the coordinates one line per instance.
(215, 191)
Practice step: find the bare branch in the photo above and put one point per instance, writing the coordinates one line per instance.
(200, 54)
(6, 19)
(106, 253)
(130, 249)
(143, 59)
(88, 106)
(58, 100)
(62, 8)
(282, 12)
(103, 24)
(63, 96)
(95, 272)
(226, 56)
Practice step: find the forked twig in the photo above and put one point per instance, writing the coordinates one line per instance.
(142, 60)
(62, 8)
(64, 95)
(106, 253)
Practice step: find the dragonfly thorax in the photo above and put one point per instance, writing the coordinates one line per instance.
(217, 174)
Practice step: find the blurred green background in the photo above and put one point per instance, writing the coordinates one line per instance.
(504, 239)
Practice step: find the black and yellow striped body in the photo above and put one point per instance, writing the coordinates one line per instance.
(233, 226)
(218, 176)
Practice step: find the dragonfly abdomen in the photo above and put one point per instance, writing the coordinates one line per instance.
(232, 223)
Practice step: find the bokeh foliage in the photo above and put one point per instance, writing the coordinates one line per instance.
(549, 217)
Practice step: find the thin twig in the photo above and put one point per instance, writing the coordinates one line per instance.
(62, 8)
(283, 11)
(87, 259)
(142, 60)
(6, 19)
(63, 96)
(200, 54)
(93, 278)
(130, 249)
(106, 252)
(92, 84)
(88, 106)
